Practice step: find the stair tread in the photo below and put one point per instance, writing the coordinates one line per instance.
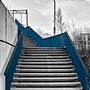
(68, 88)
(46, 74)
(46, 83)
(36, 52)
(41, 63)
(46, 66)
(44, 54)
(46, 78)
(46, 59)
(45, 69)
(35, 71)
(44, 48)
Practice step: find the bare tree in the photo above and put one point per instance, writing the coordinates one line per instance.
(59, 20)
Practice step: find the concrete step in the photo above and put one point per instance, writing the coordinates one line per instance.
(43, 48)
(45, 66)
(44, 57)
(62, 88)
(45, 63)
(42, 52)
(45, 74)
(28, 42)
(44, 70)
(44, 60)
(53, 54)
(45, 79)
(48, 84)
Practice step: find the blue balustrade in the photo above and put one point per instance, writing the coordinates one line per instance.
(9, 72)
(77, 61)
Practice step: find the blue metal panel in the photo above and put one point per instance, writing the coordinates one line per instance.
(54, 41)
(77, 61)
(61, 41)
(29, 31)
(12, 64)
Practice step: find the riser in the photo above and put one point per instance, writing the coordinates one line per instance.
(44, 57)
(45, 66)
(37, 61)
(43, 48)
(63, 88)
(45, 79)
(65, 54)
(45, 74)
(43, 52)
(44, 70)
(45, 63)
(44, 60)
(43, 84)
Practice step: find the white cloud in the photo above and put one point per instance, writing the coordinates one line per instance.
(88, 0)
(41, 11)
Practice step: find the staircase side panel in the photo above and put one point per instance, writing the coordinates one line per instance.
(77, 61)
(12, 64)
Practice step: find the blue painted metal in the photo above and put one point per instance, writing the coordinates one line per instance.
(77, 61)
(61, 41)
(30, 32)
(12, 63)
(54, 41)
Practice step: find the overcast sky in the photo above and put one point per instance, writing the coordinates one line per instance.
(41, 12)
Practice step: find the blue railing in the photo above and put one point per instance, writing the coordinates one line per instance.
(30, 32)
(54, 41)
(61, 41)
(77, 61)
(12, 63)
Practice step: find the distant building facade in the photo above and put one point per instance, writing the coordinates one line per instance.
(82, 41)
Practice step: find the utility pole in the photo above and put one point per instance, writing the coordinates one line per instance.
(54, 29)
(27, 17)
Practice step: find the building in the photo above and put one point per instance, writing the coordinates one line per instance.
(82, 41)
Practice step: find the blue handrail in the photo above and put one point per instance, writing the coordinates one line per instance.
(56, 41)
(12, 63)
(77, 61)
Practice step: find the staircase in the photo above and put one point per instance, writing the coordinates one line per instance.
(28, 42)
(45, 69)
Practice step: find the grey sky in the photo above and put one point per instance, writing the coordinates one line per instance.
(41, 12)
